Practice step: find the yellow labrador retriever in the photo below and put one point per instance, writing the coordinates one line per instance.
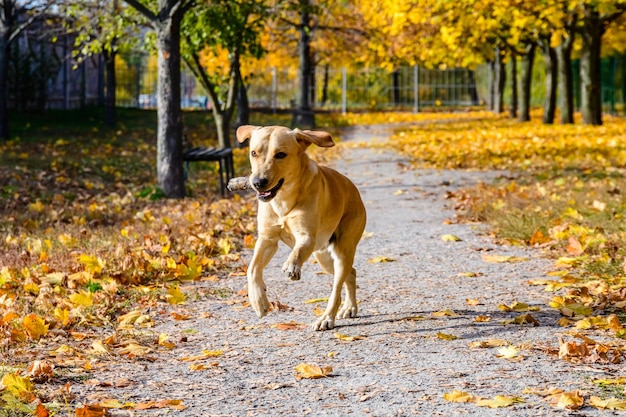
(311, 208)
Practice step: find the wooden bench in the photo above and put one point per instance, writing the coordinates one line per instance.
(223, 156)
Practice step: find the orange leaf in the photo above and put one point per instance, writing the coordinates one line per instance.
(91, 411)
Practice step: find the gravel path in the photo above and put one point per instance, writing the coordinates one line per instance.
(400, 367)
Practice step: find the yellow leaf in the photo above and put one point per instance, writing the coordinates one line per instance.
(205, 354)
(316, 300)
(175, 296)
(307, 371)
(508, 352)
(62, 315)
(482, 319)
(162, 341)
(31, 288)
(133, 318)
(83, 298)
(503, 259)
(490, 343)
(570, 401)
(450, 238)
(92, 264)
(34, 326)
(444, 336)
(380, 259)
(615, 381)
(189, 272)
(499, 401)
(347, 338)
(98, 348)
(445, 313)
(458, 397)
(17, 385)
(134, 349)
(472, 301)
(520, 307)
(608, 404)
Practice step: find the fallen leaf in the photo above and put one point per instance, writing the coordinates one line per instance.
(292, 325)
(570, 401)
(307, 371)
(450, 238)
(445, 313)
(503, 259)
(508, 352)
(34, 326)
(608, 404)
(380, 259)
(458, 397)
(490, 343)
(444, 336)
(91, 411)
(175, 295)
(482, 319)
(205, 354)
(316, 300)
(499, 401)
(347, 338)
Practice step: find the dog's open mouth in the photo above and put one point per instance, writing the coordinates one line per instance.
(269, 194)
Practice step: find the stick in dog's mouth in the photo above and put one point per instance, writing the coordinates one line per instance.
(266, 196)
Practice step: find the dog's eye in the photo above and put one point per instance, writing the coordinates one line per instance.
(280, 155)
(253, 154)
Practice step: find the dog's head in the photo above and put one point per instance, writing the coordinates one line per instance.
(276, 155)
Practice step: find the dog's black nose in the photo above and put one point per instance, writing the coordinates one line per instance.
(259, 183)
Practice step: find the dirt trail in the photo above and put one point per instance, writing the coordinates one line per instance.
(400, 367)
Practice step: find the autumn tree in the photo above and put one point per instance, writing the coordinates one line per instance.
(214, 55)
(166, 20)
(15, 17)
(595, 17)
(103, 27)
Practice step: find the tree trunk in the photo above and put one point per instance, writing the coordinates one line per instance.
(4, 81)
(325, 86)
(110, 116)
(170, 126)
(304, 117)
(566, 85)
(491, 87)
(591, 83)
(395, 80)
(499, 83)
(243, 105)
(528, 60)
(549, 107)
(513, 109)
(472, 88)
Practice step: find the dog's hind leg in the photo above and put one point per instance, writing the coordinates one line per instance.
(349, 308)
(264, 250)
(343, 271)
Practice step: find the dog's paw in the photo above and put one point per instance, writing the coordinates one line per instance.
(348, 312)
(294, 272)
(324, 323)
(258, 300)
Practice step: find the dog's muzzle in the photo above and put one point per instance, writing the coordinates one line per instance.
(267, 195)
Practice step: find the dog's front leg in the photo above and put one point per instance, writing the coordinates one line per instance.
(302, 250)
(264, 250)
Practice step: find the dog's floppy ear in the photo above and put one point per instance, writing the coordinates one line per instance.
(319, 138)
(244, 132)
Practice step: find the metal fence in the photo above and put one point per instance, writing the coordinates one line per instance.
(409, 88)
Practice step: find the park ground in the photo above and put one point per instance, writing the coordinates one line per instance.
(491, 276)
